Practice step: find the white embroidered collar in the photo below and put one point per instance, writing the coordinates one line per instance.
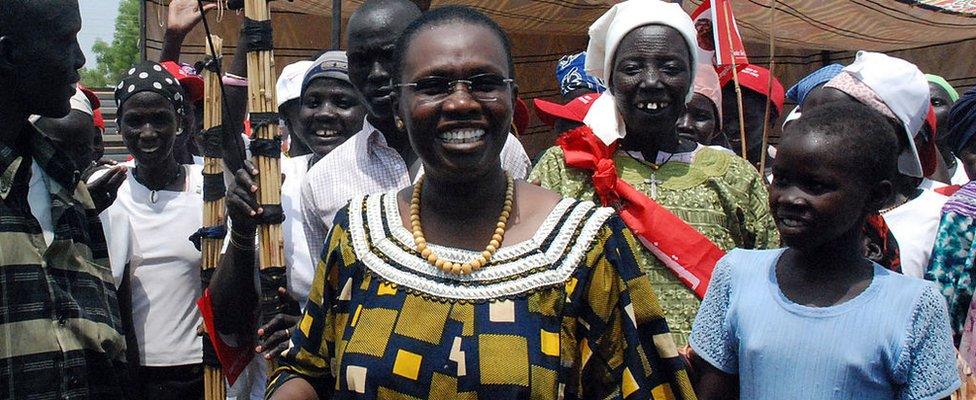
(549, 258)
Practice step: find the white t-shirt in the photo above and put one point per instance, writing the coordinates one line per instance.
(914, 225)
(297, 258)
(164, 267)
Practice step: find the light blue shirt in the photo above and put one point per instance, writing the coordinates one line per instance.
(892, 341)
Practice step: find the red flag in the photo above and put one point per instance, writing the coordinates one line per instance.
(718, 34)
(234, 357)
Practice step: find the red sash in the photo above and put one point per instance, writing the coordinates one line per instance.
(684, 250)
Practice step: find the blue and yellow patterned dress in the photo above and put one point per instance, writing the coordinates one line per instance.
(565, 315)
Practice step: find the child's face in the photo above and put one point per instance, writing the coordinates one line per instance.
(816, 195)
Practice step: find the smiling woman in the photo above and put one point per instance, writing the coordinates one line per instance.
(630, 156)
(157, 208)
(475, 284)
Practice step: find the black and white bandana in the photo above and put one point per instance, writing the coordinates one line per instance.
(149, 76)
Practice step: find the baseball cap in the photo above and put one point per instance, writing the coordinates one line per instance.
(756, 78)
(575, 110)
(187, 77)
(904, 89)
(289, 85)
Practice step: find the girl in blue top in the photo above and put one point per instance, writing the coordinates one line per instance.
(817, 320)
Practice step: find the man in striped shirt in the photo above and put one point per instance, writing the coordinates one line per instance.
(59, 318)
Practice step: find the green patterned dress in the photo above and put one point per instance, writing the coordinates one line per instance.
(719, 194)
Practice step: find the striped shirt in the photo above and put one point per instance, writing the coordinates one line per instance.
(363, 165)
(59, 317)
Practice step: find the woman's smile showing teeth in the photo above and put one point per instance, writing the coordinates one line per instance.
(326, 133)
(652, 105)
(461, 136)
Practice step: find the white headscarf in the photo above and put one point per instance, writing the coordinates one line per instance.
(606, 34)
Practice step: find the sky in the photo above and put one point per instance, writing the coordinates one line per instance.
(97, 21)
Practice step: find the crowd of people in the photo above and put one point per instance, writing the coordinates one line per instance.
(648, 254)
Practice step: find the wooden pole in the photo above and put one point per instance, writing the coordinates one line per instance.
(738, 88)
(213, 211)
(336, 24)
(261, 99)
(769, 88)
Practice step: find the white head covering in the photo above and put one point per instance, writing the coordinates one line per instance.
(904, 89)
(606, 34)
(289, 86)
(708, 85)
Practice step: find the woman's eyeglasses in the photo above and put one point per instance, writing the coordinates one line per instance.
(484, 87)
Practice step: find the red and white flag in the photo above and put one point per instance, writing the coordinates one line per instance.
(718, 34)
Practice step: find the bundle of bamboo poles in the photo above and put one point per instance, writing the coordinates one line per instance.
(261, 98)
(213, 211)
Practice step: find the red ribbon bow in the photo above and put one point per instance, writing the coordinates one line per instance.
(688, 253)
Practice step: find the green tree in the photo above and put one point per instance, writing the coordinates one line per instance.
(112, 60)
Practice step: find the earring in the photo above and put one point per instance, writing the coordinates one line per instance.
(399, 123)
(515, 130)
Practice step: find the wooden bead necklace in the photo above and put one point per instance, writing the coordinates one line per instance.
(452, 267)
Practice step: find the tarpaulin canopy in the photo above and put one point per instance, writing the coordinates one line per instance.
(880, 25)
(937, 35)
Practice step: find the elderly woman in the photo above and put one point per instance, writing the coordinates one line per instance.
(687, 203)
(157, 208)
(469, 284)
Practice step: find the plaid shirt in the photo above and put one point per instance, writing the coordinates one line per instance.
(59, 317)
(363, 165)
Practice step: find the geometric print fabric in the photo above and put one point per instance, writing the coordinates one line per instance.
(363, 337)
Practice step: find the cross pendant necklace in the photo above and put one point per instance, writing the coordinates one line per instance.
(653, 182)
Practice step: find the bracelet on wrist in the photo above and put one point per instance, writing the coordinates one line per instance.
(234, 80)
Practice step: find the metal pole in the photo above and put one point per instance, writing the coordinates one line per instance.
(336, 24)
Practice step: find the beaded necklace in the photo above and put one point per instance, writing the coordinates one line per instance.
(452, 267)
